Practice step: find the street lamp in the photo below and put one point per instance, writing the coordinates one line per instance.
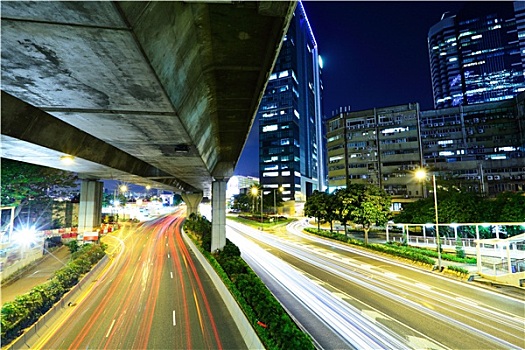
(123, 189)
(262, 194)
(421, 174)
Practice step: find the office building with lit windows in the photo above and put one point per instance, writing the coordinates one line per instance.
(481, 147)
(290, 126)
(478, 54)
(382, 147)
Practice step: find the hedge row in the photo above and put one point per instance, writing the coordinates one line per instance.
(26, 309)
(434, 254)
(458, 269)
(399, 251)
(271, 322)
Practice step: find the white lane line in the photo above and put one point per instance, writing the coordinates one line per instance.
(110, 328)
(423, 286)
(171, 274)
(168, 255)
(466, 301)
(174, 319)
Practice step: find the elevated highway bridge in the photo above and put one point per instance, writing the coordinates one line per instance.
(159, 93)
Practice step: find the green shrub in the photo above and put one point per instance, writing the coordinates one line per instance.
(458, 269)
(27, 308)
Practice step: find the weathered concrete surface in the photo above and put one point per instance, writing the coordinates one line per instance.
(174, 85)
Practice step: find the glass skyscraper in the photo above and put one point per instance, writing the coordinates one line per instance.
(478, 55)
(290, 125)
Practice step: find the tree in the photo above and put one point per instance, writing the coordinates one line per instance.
(421, 211)
(345, 200)
(508, 207)
(241, 202)
(31, 186)
(371, 206)
(317, 206)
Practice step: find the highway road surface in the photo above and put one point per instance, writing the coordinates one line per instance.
(153, 295)
(349, 298)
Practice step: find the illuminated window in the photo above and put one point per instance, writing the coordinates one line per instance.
(446, 153)
(268, 128)
(335, 158)
(271, 174)
(285, 173)
(445, 142)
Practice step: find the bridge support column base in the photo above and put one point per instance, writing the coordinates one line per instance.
(90, 208)
(218, 222)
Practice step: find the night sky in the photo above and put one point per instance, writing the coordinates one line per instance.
(374, 53)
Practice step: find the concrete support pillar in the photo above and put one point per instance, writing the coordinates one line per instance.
(218, 209)
(192, 201)
(90, 209)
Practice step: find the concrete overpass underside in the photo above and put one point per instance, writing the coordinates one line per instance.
(160, 93)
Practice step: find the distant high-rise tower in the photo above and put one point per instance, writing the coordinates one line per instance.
(290, 126)
(478, 55)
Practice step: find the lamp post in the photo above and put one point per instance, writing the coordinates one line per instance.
(262, 193)
(421, 174)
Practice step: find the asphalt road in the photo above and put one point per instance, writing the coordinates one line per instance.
(424, 309)
(37, 274)
(153, 295)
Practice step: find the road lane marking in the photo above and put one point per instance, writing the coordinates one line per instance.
(171, 274)
(110, 328)
(423, 286)
(174, 319)
(198, 311)
(168, 255)
(466, 301)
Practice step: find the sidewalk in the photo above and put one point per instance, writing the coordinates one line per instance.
(35, 275)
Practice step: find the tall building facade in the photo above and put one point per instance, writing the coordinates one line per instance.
(478, 55)
(481, 146)
(378, 146)
(290, 126)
